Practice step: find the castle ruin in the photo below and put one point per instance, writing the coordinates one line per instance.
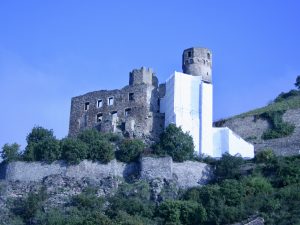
(144, 108)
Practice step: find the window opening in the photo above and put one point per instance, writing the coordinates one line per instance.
(86, 106)
(208, 55)
(127, 112)
(131, 96)
(99, 103)
(110, 101)
(189, 54)
(99, 117)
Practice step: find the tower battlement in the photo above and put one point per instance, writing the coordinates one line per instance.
(142, 76)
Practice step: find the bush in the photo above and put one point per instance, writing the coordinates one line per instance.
(37, 139)
(264, 156)
(101, 150)
(182, 212)
(279, 128)
(27, 207)
(99, 147)
(47, 150)
(10, 153)
(176, 143)
(73, 150)
(228, 167)
(89, 136)
(130, 150)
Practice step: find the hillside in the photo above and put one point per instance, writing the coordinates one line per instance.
(259, 126)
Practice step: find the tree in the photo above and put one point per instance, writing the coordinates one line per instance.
(101, 150)
(297, 84)
(99, 147)
(130, 150)
(47, 150)
(10, 152)
(73, 150)
(36, 140)
(176, 143)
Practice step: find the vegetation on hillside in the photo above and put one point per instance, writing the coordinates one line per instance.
(284, 101)
(268, 186)
(274, 112)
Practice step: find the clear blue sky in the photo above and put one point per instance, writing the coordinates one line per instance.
(53, 50)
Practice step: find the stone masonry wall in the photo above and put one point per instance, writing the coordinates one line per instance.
(133, 112)
(251, 130)
(186, 174)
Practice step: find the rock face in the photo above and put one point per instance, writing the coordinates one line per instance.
(251, 130)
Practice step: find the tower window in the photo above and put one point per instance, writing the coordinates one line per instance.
(203, 61)
(208, 55)
(99, 117)
(131, 96)
(127, 111)
(191, 61)
(86, 106)
(189, 54)
(99, 103)
(110, 101)
(186, 62)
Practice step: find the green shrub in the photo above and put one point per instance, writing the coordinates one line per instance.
(73, 150)
(264, 156)
(10, 153)
(182, 212)
(27, 207)
(279, 128)
(89, 136)
(228, 167)
(101, 150)
(88, 200)
(99, 147)
(130, 150)
(176, 143)
(37, 139)
(47, 150)
(283, 96)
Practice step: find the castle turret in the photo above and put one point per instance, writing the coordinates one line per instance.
(198, 62)
(143, 76)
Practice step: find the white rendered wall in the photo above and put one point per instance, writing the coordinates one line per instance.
(185, 96)
(225, 140)
(188, 103)
(206, 113)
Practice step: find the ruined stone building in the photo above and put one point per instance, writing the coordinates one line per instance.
(133, 111)
(144, 108)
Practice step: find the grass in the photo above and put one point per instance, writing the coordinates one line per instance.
(290, 103)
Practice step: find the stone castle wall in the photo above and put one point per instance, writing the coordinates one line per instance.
(132, 110)
(186, 174)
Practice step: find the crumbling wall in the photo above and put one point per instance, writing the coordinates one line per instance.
(132, 111)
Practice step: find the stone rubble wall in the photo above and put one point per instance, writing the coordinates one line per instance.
(186, 174)
(251, 129)
(37, 171)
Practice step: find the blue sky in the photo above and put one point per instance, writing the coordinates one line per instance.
(53, 50)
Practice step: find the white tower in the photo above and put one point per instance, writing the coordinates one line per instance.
(188, 99)
(188, 103)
